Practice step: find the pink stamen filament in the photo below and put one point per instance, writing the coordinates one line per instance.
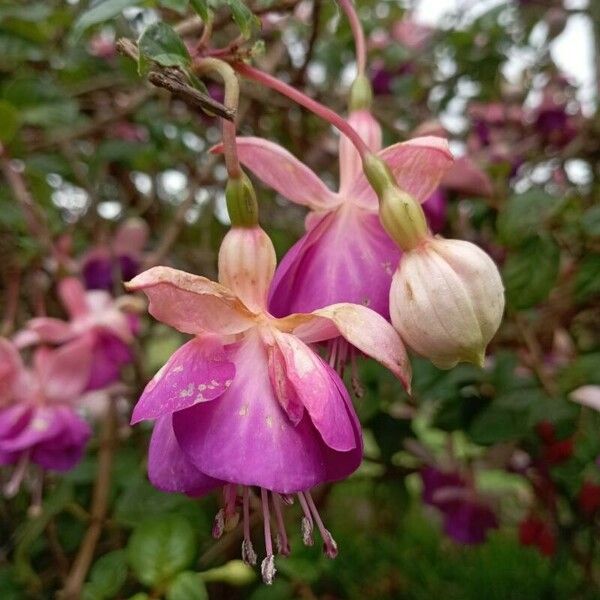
(248, 554)
(358, 33)
(303, 100)
(328, 541)
(266, 521)
(283, 538)
(12, 487)
(307, 524)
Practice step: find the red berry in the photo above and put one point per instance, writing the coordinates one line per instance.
(558, 452)
(546, 432)
(529, 531)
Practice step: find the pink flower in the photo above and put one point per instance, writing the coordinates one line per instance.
(96, 319)
(102, 266)
(38, 423)
(345, 255)
(247, 402)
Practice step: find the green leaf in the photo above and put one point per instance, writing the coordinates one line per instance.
(498, 424)
(160, 548)
(160, 43)
(100, 11)
(524, 214)
(591, 221)
(202, 8)
(179, 6)
(9, 121)
(109, 574)
(587, 279)
(244, 18)
(531, 271)
(187, 586)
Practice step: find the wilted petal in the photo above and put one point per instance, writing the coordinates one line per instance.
(168, 467)
(362, 327)
(283, 172)
(190, 303)
(198, 372)
(418, 166)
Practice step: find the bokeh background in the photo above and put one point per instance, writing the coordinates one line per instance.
(485, 483)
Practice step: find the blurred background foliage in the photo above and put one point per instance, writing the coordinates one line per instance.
(97, 144)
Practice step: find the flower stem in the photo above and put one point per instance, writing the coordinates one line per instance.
(99, 508)
(308, 103)
(358, 33)
(231, 100)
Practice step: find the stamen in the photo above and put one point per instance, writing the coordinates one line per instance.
(37, 488)
(231, 515)
(267, 567)
(218, 524)
(357, 388)
(287, 499)
(248, 553)
(333, 345)
(282, 538)
(329, 546)
(11, 489)
(307, 522)
(343, 349)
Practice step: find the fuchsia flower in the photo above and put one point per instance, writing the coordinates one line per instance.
(247, 402)
(38, 423)
(467, 519)
(96, 319)
(102, 266)
(345, 255)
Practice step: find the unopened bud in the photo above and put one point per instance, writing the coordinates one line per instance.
(242, 205)
(246, 265)
(400, 214)
(446, 301)
(234, 572)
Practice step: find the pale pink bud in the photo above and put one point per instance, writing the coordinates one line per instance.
(246, 265)
(447, 300)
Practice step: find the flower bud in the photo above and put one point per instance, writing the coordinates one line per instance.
(400, 214)
(241, 202)
(246, 265)
(361, 94)
(446, 301)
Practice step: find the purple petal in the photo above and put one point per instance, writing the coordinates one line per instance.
(435, 480)
(469, 522)
(345, 257)
(169, 469)
(109, 355)
(246, 437)
(435, 208)
(97, 273)
(198, 372)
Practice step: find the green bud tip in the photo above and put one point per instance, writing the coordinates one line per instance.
(241, 202)
(361, 94)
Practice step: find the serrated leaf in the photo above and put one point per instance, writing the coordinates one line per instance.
(98, 12)
(109, 574)
(531, 271)
(244, 18)
(202, 8)
(160, 548)
(159, 43)
(9, 121)
(187, 586)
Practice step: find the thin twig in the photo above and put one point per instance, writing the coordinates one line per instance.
(174, 80)
(36, 222)
(98, 510)
(314, 34)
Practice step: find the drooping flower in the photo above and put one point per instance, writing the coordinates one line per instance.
(38, 423)
(467, 518)
(95, 316)
(247, 402)
(120, 260)
(345, 255)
